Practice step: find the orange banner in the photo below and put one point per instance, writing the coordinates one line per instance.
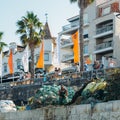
(76, 47)
(88, 60)
(40, 63)
(10, 62)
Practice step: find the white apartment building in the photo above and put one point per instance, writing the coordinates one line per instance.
(49, 46)
(101, 33)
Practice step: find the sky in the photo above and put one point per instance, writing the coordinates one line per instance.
(12, 10)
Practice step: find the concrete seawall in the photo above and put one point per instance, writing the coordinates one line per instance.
(102, 111)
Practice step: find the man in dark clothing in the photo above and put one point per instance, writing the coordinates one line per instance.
(63, 93)
(96, 65)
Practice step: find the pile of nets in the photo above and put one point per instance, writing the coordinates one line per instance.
(90, 91)
(93, 87)
(99, 89)
(49, 95)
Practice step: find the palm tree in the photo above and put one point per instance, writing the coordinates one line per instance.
(2, 44)
(82, 5)
(31, 34)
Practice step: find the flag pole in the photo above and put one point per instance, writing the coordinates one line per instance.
(40, 62)
(12, 48)
(79, 50)
(13, 66)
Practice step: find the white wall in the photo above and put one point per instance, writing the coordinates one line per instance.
(102, 111)
(48, 48)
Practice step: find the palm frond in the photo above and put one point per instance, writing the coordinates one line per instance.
(2, 44)
(73, 1)
(30, 29)
(1, 34)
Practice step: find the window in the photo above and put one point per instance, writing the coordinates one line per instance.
(106, 10)
(85, 33)
(85, 36)
(18, 63)
(85, 49)
(5, 68)
(46, 57)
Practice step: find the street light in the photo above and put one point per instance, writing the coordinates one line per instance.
(13, 46)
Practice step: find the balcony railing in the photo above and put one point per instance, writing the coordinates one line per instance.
(104, 29)
(66, 42)
(104, 45)
(69, 26)
(67, 57)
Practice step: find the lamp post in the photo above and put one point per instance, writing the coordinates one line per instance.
(12, 46)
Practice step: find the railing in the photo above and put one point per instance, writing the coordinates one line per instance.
(104, 45)
(73, 78)
(66, 42)
(69, 26)
(67, 56)
(66, 27)
(104, 29)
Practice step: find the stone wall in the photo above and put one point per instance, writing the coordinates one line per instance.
(102, 111)
(23, 92)
(18, 93)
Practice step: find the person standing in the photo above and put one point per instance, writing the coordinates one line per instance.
(96, 65)
(112, 63)
(63, 93)
(21, 77)
(59, 72)
(45, 77)
(56, 72)
(85, 66)
(101, 66)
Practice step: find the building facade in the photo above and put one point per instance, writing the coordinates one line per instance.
(100, 32)
(49, 46)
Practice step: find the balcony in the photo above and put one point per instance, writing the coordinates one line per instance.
(103, 31)
(70, 26)
(66, 43)
(67, 57)
(103, 47)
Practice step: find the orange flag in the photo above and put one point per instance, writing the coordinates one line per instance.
(40, 63)
(10, 62)
(88, 60)
(76, 47)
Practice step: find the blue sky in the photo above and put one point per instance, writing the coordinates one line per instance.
(12, 11)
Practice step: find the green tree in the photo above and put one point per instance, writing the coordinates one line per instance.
(31, 33)
(2, 44)
(82, 5)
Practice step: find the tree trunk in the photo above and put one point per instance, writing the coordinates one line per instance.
(32, 61)
(81, 36)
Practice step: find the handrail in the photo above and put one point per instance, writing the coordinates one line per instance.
(104, 29)
(72, 77)
(104, 45)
